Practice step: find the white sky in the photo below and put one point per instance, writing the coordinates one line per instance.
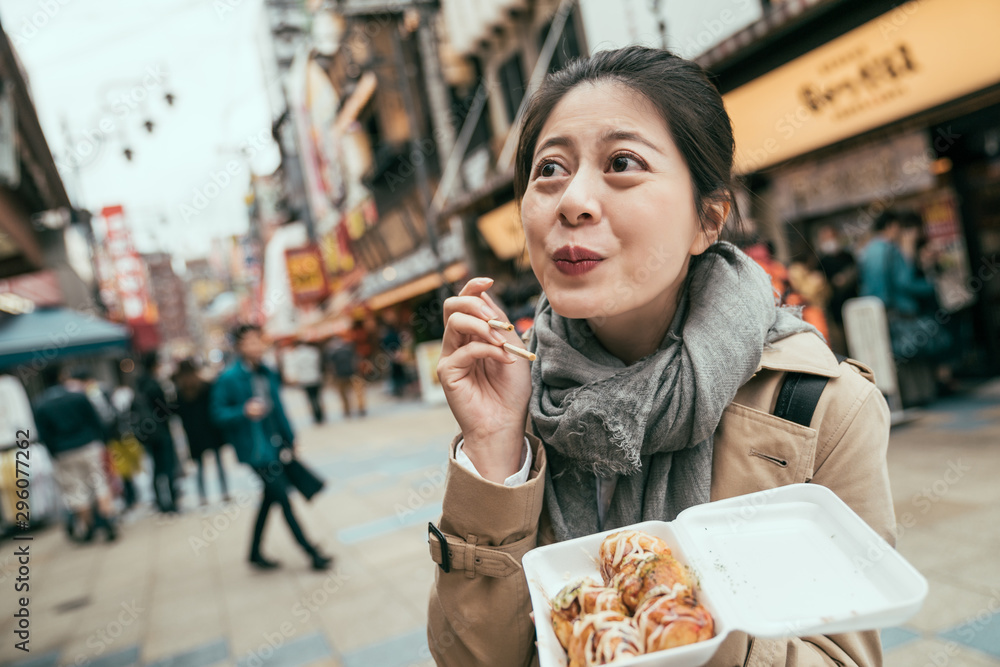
(84, 57)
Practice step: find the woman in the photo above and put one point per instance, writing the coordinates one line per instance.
(194, 409)
(660, 354)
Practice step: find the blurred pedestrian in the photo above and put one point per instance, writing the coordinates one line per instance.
(73, 432)
(841, 271)
(246, 404)
(392, 347)
(151, 414)
(885, 272)
(344, 366)
(303, 365)
(889, 270)
(203, 435)
(82, 379)
(762, 252)
(126, 450)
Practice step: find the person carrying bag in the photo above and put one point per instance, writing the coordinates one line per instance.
(246, 405)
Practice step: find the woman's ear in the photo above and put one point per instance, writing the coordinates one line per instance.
(715, 216)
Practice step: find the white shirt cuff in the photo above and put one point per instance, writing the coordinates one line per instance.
(517, 479)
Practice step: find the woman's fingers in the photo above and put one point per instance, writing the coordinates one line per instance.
(463, 324)
(457, 365)
(476, 286)
(471, 305)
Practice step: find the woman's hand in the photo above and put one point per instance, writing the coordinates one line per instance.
(487, 387)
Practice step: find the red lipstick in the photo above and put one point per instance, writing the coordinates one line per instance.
(575, 260)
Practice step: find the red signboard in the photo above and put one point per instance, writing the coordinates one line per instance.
(127, 270)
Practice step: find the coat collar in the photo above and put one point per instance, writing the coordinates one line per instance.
(801, 353)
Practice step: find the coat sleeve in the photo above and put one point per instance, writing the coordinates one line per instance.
(479, 611)
(852, 463)
(42, 427)
(279, 411)
(226, 409)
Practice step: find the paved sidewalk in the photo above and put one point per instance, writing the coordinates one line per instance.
(177, 592)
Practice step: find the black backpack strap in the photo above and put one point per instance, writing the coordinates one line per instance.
(799, 396)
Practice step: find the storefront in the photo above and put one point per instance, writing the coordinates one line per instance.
(902, 111)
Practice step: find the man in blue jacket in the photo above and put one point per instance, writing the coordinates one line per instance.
(246, 404)
(71, 429)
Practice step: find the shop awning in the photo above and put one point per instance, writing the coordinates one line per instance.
(422, 285)
(55, 333)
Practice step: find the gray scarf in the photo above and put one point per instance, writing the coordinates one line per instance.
(645, 430)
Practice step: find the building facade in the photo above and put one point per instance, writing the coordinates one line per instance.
(844, 109)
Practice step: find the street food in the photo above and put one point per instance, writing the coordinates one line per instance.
(618, 547)
(603, 637)
(666, 621)
(578, 599)
(653, 575)
(648, 603)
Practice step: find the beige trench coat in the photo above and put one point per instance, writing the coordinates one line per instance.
(478, 612)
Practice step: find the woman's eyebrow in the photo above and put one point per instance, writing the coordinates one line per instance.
(626, 135)
(554, 141)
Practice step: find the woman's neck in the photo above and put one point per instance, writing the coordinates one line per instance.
(637, 333)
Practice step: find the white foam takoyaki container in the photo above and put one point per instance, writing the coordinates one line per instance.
(786, 562)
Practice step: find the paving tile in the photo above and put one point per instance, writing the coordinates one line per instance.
(293, 653)
(50, 659)
(326, 662)
(206, 655)
(981, 632)
(388, 524)
(893, 638)
(174, 629)
(128, 657)
(401, 651)
(946, 605)
(935, 652)
(921, 546)
(339, 618)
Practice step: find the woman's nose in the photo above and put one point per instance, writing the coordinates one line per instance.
(579, 203)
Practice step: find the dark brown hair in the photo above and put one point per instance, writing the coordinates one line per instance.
(679, 89)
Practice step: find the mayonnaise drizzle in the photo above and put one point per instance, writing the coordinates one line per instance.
(614, 636)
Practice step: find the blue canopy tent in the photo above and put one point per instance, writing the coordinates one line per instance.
(57, 333)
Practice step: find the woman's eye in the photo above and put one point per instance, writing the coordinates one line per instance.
(547, 170)
(620, 163)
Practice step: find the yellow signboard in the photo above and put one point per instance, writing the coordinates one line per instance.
(917, 56)
(306, 274)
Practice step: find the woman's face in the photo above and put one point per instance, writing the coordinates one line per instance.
(609, 211)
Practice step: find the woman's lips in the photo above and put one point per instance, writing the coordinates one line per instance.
(575, 260)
